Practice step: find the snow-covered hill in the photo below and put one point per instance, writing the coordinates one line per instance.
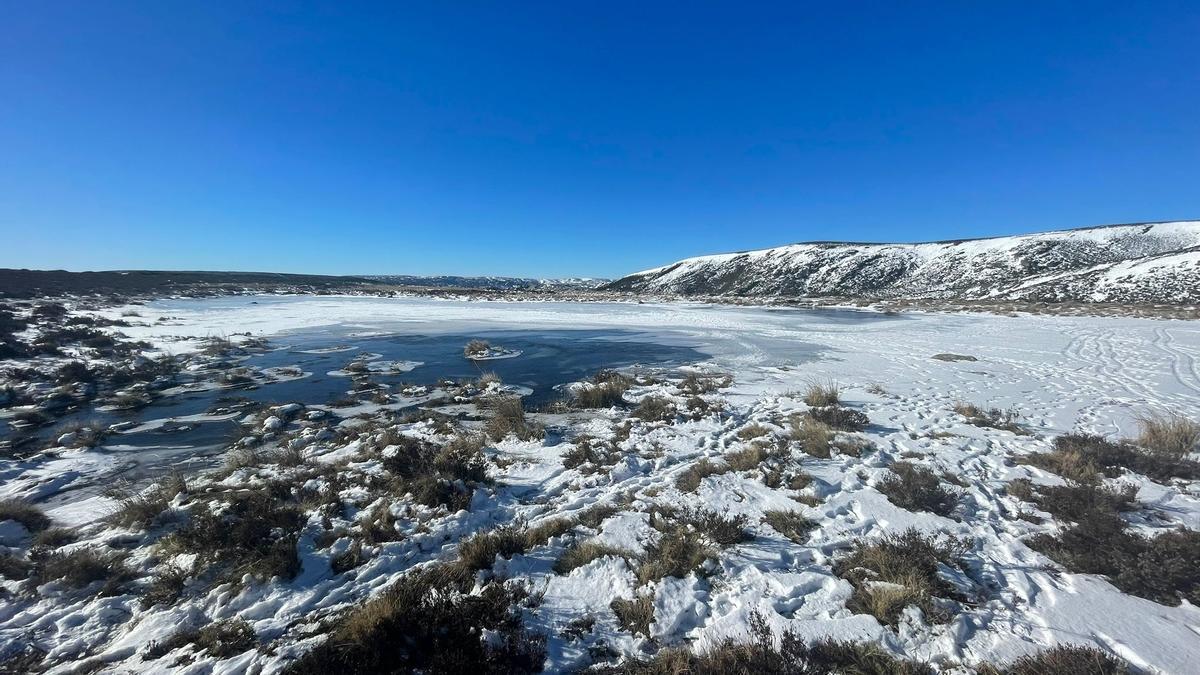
(1140, 263)
(490, 283)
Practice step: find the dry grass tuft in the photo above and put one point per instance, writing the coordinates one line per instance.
(819, 394)
(815, 437)
(635, 615)
(508, 418)
(791, 524)
(992, 418)
(764, 654)
(28, 515)
(900, 570)
(916, 488)
(606, 389)
(85, 566)
(655, 409)
(1088, 459)
(1171, 435)
(690, 479)
(429, 621)
(1064, 660)
(220, 639)
(582, 554)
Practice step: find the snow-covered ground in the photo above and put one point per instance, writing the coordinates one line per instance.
(1060, 374)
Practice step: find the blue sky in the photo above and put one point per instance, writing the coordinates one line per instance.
(579, 138)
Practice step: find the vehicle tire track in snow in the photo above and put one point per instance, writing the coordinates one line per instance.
(1183, 365)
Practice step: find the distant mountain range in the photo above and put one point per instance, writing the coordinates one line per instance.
(1137, 263)
(491, 283)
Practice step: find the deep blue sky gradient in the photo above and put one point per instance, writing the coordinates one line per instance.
(577, 138)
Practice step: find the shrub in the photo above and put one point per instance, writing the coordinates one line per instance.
(591, 452)
(1085, 458)
(916, 488)
(815, 437)
(14, 568)
(166, 586)
(479, 552)
(690, 479)
(220, 639)
(791, 524)
(635, 615)
(993, 418)
(476, 348)
(1064, 660)
(74, 372)
(721, 529)
(655, 409)
(1074, 502)
(427, 622)
(677, 552)
(582, 554)
(24, 513)
(841, 418)
(84, 566)
(1164, 568)
(141, 509)
(252, 533)
(747, 459)
(821, 394)
(487, 379)
(1168, 434)
(753, 431)
(763, 654)
(896, 571)
(508, 417)
(606, 389)
(54, 537)
(695, 384)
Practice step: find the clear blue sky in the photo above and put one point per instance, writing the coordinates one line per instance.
(577, 138)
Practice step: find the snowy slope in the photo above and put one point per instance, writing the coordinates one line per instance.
(1155, 262)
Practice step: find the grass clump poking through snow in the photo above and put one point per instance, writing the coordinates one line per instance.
(815, 437)
(606, 389)
(85, 566)
(899, 571)
(480, 551)
(789, 654)
(819, 394)
(590, 455)
(1170, 435)
(242, 533)
(655, 409)
(476, 349)
(508, 418)
(690, 479)
(28, 515)
(140, 510)
(220, 639)
(1063, 660)
(1085, 458)
(431, 621)
(916, 488)
(843, 419)
(791, 524)
(584, 553)
(446, 475)
(676, 553)
(635, 615)
(694, 384)
(992, 418)
(1164, 568)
